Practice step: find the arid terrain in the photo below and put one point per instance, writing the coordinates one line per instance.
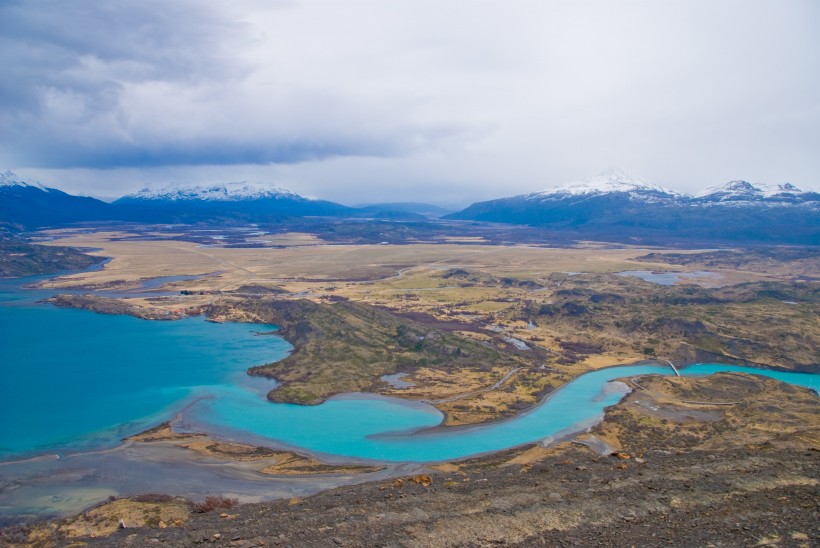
(483, 332)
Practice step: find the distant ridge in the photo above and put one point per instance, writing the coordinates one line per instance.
(616, 205)
(612, 206)
(225, 192)
(394, 209)
(28, 204)
(610, 180)
(235, 200)
(744, 193)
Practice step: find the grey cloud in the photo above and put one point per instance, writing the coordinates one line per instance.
(149, 39)
(487, 98)
(67, 65)
(164, 82)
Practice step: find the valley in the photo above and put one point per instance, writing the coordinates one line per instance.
(478, 329)
(479, 322)
(329, 274)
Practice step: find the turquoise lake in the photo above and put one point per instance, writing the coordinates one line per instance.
(73, 379)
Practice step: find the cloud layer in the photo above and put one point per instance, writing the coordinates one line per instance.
(459, 100)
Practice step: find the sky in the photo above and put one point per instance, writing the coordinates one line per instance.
(443, 101)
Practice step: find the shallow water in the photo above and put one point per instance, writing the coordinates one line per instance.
(71, 484)
(668, 278)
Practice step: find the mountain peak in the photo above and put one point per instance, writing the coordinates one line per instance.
(220, 192)
(610, 180)
(614, 173)
(744, 190)
(10, 178)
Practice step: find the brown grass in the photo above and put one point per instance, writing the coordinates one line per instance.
(212, 502)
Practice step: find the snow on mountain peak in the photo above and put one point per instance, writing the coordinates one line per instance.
(614, 173)
(9, 178)
(221, 192)
(744, 190)
(610, 180)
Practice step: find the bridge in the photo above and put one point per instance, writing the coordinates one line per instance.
(672, 365)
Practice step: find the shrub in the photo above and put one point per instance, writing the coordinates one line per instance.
(213, 502)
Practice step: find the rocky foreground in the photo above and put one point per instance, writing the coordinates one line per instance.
(573, 498)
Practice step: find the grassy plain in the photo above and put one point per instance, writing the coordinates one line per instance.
(134, 260)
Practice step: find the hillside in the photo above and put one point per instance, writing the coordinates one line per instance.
(29, 204)
(19, 258)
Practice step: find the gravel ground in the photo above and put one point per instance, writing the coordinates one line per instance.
(732, 498)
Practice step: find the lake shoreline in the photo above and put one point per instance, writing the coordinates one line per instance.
(441, 427)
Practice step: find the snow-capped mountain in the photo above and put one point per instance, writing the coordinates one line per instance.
(225, 192)
(611, 180)
(574, 203)
(9, 178)
(614, 204)
(223, 201)
(27, 204)
(745, 193)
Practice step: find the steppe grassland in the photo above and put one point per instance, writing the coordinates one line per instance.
(305, 260)
(400, 277)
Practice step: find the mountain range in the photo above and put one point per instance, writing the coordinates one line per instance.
(613, 206)
(616, 205)
(235, 201)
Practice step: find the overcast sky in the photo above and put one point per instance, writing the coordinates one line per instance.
(446, 101)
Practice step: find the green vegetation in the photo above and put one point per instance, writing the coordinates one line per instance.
(347, 346)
